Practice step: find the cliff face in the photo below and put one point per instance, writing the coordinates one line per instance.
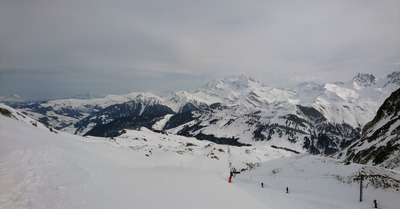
(380, 139)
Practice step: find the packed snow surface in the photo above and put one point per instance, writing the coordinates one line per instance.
(43, 168)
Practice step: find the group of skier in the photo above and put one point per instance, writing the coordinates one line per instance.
(233, 172)
(287, 191)
(262, 186)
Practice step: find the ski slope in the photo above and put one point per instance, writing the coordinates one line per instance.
(314, 182)
(43, 168)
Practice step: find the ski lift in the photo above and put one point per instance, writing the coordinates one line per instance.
(233, 173)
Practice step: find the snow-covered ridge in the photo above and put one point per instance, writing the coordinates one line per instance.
(98, 102)
(363, 80)
(17, 115)
(12, 98)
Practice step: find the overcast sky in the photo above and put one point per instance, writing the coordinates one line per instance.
(54, 48)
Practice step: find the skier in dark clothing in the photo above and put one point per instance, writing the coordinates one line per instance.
(262, 185)
(287, 189)
(376, 205)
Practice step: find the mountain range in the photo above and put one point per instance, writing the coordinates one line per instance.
(237, 110)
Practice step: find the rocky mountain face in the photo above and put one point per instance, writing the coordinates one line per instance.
(364, 80)
(380, 139)
(141, 106)
(237, 110)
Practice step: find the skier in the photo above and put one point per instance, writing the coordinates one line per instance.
(287, 189)
(376, 204)
(262, 185)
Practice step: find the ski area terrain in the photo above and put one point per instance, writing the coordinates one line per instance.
(41, 167)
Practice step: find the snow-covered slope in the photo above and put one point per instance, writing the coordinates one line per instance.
(17, 115)
(40, 168)
(380, 139)
(319, 182)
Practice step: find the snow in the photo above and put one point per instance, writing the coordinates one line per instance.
(161, 123)
(66, 171)
(101, 102)
(312, 183)
(40, 168)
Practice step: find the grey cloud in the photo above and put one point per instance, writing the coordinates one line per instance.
(174, 42)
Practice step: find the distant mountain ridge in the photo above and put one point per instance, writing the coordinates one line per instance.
(314, 118)
(364, 80)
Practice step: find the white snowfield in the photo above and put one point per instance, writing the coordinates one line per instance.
(40, 168)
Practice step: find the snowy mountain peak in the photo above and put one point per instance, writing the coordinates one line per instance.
(394, 77)
(12, 99)
(240, 90)
(309, 86)
(362, 80)
(149, 99)
(235, 82)
(240, 81)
